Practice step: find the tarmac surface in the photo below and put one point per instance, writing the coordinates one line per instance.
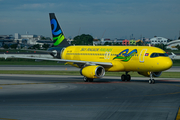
(52, 97)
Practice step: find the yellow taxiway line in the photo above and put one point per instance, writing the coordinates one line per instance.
(178, 115)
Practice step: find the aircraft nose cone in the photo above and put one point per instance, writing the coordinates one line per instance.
(168, 64)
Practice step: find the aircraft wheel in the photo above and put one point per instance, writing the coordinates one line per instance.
(85, 79)
(128, 77)
(123, 77)
(153, 81)
(150, 81)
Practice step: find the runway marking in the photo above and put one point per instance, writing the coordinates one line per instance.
(178, 115)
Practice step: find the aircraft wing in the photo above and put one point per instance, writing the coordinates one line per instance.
(76, 63)
(42, 51)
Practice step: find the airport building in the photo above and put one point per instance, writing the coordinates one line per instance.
(159, 40)
(125, 42)
(118, 41)
(107, 40)
(147, 41)
(132, 42)
(24, 41)
(6, 39)
(30, 40)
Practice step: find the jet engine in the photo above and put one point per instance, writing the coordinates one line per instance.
(147, 74)
(93, 71)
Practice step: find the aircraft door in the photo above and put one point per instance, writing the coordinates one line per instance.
(142, 55)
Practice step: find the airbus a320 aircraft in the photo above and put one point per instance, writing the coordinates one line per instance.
(94, 61)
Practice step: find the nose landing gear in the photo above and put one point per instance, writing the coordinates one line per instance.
(151, 80)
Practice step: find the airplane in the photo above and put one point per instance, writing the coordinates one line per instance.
(172, 56)
(94, 61)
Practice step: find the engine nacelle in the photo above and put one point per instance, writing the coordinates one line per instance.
(156, 74)
(94, 71)
(147, 74)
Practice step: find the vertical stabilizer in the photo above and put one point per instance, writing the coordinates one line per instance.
(57, 33)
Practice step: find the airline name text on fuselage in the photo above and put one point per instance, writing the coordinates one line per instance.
(97, 49)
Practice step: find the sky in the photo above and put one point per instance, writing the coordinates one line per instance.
(99, 18)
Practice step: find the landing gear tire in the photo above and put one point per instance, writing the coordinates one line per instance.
(123, 77)
(87, 79)
(151, 81)
(128, 77)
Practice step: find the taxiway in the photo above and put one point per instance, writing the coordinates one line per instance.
(67, 97)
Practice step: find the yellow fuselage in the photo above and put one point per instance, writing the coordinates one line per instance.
(139, 60)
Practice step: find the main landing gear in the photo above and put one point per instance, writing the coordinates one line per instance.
(126, 77)
(87, 79)
(151, 80)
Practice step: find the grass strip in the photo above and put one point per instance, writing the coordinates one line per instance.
(133, 74)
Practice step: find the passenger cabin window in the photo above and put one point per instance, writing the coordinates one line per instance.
(158, 54)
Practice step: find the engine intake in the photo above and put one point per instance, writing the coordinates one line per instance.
(94, 71)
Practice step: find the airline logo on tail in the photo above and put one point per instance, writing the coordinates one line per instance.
(125, 56)
(57, 33)
(60, 37)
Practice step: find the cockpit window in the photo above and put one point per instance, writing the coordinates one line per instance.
(158, 54)
(163, 54)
